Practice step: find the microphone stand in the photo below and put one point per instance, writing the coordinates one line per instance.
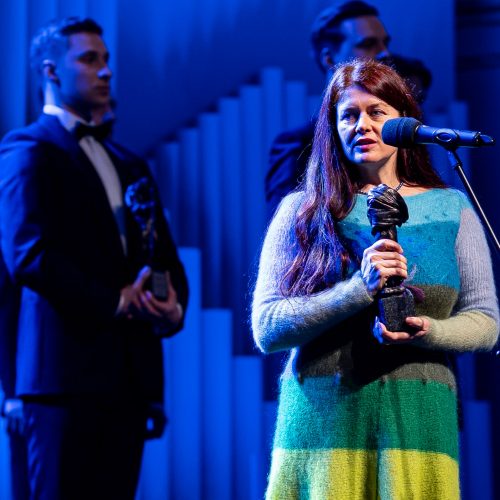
(457, 165)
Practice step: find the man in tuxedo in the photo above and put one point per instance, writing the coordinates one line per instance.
(89, 360)
(339, 33)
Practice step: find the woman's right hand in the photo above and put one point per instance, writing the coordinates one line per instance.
(380, 261)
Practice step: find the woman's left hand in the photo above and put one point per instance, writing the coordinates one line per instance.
(419, 323)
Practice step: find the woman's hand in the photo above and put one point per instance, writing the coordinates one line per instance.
(380, 261)
(419, 324)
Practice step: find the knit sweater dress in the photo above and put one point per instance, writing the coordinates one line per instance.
(361, 420)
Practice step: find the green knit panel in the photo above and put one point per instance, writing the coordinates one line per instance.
(324, 413)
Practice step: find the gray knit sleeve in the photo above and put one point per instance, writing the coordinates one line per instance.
(474, 324)
(281, 323)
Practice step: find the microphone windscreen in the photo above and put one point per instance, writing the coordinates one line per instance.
(400, 132)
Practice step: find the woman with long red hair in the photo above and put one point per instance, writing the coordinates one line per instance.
(366, 412)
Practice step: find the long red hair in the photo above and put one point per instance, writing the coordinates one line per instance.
(330, 183)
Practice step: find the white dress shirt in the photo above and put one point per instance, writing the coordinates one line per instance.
(102, 163)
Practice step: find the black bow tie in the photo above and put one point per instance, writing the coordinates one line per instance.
(98, 132)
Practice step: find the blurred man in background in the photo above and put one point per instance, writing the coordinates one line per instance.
(89, 370)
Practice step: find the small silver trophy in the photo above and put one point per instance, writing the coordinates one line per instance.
(140, 199)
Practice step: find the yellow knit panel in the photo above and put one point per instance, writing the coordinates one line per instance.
(352, 475)
(417, 475)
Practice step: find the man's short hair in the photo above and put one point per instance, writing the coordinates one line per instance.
(416, 74)
(325, 27)
(52, 40)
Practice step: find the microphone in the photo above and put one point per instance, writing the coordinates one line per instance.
(408, 132)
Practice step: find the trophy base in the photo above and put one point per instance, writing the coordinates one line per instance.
(394, 306)
(158, 285)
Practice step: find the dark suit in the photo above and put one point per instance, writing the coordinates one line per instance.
(9, 309)
(62, 247)
(9, 312)
(288, 159)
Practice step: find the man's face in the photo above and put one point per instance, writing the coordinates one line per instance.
(83, 74)
(365, 37)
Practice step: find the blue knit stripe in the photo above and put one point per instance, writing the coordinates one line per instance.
(427, 238)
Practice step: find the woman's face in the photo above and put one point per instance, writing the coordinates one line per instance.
(360, 118)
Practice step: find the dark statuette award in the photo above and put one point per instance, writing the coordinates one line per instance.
(140, 199)
(386, 210)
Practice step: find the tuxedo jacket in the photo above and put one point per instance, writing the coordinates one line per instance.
(62, 249)
(9, 309)
(288, 160)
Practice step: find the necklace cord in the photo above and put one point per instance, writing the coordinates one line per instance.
(397, 188)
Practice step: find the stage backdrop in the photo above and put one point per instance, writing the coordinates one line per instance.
(183, 68)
